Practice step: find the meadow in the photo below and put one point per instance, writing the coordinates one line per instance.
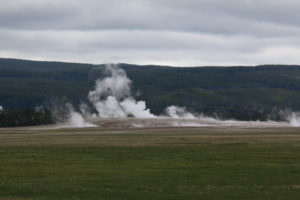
(150, 163)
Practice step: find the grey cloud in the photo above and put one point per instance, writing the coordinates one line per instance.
(191, 32)
(212, 16)
(145, 46)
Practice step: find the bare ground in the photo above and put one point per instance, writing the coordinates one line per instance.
(143, 132)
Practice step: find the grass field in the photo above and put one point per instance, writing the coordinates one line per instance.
(153, 163)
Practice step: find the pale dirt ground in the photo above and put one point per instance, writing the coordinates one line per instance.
(144, 132)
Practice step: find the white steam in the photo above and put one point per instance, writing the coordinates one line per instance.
(294, 119)
(136, 108)
(75, 119)
(1, 108)
(179, 112)
(112, 96)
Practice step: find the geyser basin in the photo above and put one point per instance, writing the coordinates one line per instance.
(171, 122)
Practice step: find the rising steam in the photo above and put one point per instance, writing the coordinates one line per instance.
(67, 116)
(294, 119)
(76, 120)
(179, 112)
(112, 96)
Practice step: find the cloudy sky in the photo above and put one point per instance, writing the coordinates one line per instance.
(167, 32)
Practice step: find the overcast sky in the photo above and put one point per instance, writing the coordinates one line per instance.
(167, 32)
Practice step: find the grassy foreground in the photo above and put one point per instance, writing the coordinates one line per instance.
(256, 170)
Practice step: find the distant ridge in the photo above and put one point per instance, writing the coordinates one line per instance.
(2, 60)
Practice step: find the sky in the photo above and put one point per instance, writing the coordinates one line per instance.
(164, 32)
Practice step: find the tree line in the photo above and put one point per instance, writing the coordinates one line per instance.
(14, 118)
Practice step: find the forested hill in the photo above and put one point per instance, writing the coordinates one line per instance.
(231, 92)
(25, 84)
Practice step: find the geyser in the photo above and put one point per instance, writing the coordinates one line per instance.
(294, 119)
(69, 116)
(112, 96)
(179, 112)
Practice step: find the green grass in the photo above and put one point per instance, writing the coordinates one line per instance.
(214, 171)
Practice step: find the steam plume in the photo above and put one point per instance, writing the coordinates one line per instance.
(75, 119)
(179, 112)
(112, 96)
(67, 115)
(294, 119)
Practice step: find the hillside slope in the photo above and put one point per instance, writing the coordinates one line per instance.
(230, 92)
